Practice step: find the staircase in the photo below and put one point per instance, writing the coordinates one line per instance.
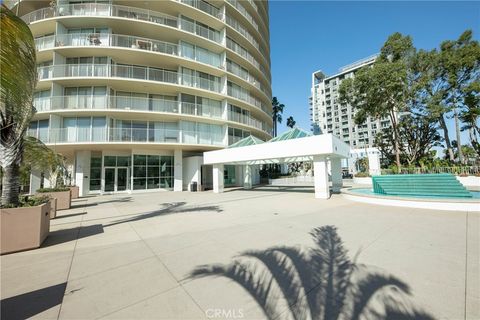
(424, 185)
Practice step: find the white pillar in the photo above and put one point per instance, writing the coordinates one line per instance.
(178, 170)
(247, 177)
(82, 172)
(35, 180)
(322, 190)
(218, 178)
(336, 173)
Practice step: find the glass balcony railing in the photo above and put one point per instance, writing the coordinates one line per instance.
(243, 11)
(237, 26)
(205, 7)
(108, 10)
(129, 135)
(126, 71)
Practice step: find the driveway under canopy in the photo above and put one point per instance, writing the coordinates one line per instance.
(292, 146)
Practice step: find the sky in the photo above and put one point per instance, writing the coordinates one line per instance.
(306, 36)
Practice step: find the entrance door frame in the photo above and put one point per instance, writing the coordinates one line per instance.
(115, 183)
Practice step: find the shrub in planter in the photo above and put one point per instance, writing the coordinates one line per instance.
(26, 226)
(361, 175)
(61, 194)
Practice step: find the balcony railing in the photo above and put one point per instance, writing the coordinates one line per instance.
(245, 119)
(108, 10)
(129, 135)
(201, 110)
(241, 51)
(115, 40)
(205, 7)
(237, 26)
(244, 12)
(126, 71)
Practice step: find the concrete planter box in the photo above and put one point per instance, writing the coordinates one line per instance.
(63, 198)
(53, 208)
(74, 191)
(24, 228)
(362, 180)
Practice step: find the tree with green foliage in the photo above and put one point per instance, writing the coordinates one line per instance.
(277, 110)
(382, 90)
(18, 80)
(291, 122)
(470, 116)
(458, 67)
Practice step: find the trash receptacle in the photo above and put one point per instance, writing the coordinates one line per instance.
(193, 186)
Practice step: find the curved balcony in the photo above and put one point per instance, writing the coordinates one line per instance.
(108, 10)
(131, 135)
(128, 72)
(112, 103)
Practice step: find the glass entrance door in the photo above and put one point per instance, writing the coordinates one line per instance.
(109, 179)
(122, 179)
(116, 179)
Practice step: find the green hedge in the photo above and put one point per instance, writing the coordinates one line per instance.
(30, 201)
(361, 175)
(44, 190)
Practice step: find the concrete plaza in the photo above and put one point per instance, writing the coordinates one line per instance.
(131, 256)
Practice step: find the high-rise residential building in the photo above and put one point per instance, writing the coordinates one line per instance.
(328, 115)
(132, 92)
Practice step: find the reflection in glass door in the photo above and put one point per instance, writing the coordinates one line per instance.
(122, 179)
(109, 179)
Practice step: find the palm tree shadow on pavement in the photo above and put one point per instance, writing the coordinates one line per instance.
(317, 283)
(167, 209)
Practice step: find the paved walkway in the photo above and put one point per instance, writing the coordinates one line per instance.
(131, 256)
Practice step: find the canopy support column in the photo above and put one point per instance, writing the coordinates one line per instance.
(322, 190)
(218, 178)
(336, 173)
(178, 170)
(247, 178)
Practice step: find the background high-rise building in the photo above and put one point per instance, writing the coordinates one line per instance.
(328, 115)
(132, 92)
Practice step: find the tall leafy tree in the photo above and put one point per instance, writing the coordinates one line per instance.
(291, 122)
(459, 67)
(382, 90)
(277, 110)
(470, 116)
(18, 79)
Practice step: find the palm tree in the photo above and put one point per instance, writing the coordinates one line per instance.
(318, 283)
(290, 122)
(18, 79)
(277, 110)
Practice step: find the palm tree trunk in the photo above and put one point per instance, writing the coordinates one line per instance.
(457, 132)
(441, 120)
(11, 185)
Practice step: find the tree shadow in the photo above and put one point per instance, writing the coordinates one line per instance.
(66, 235)
(168, 208)
(92, 204)
(24, 306)
(317, 283)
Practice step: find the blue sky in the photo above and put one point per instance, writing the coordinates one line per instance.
(306, 36)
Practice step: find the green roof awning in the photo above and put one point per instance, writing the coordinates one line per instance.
(294, 133)
(248, 141)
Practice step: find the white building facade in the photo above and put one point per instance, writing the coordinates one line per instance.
(328, 115)
(133, 92)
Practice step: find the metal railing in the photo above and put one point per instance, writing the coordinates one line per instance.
(238, 27)
(201, 110)
(200, 30)
(131, 135)
(243, 11)
(205, 7)
(460, 170)
(241, 51)
(245, 119)
(114, 40)
(108, 10)
(126, 71)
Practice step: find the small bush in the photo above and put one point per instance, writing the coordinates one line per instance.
(361, 175)
(30, 201)
(44, 190)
